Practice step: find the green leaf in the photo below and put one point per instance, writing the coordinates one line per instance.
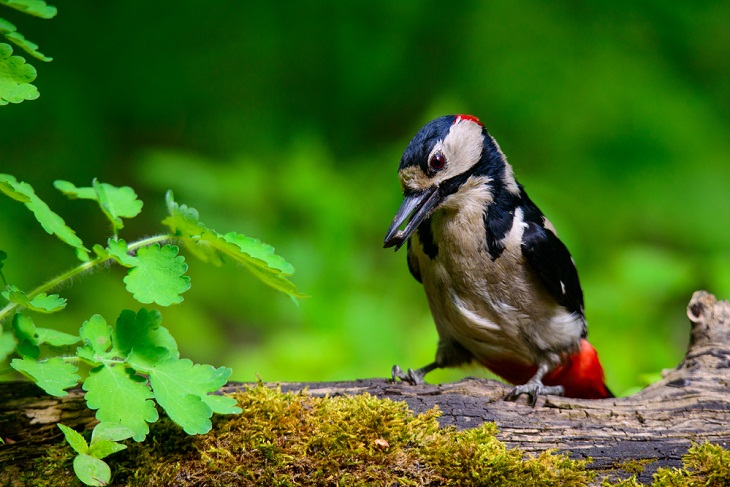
(72, 191)
(121, 397)
(43, 303)
(120, 252)
(7, 345)
(104, 448)
(110, 431)
(159, 276)
(262, 254)
(182, 389)
(210, 246)
(116, 203)
(38, 8)
(143, 332)
(11, 33)
(56, 338)
(50, 221)
(15, 78)
(92, 471)
(25, 332)
(53, 375)
(104, 439)
(74, 438)
(97, 336)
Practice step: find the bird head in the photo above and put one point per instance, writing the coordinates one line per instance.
(447, 156)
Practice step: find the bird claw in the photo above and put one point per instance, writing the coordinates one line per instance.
(412, 376)
(533, 389)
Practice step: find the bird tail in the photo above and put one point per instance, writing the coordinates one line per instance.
(581, 375)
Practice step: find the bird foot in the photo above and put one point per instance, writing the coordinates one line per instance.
(533, 389)
(413, 377)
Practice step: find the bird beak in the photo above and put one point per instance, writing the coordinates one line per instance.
(417, 206)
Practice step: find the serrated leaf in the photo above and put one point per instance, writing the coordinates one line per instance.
(143, 332)
(53, 375)
(208, 245)
(46, 303)
(38, 8)
(104, 448)
(56, 338)
(110, 431)
(15, 78)
(183, 388)
(74, 439)
(120, 252)
(159, 276)
(11, 33)
(115, 202)
(50, 221)
(183, 220)
(92, 471)
(43, 303)
(122, 398)
(259, 251)
(97, 337)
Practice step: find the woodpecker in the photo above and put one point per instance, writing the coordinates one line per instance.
(502, 288)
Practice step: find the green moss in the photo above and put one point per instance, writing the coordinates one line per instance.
(284, 439)
(706, 465)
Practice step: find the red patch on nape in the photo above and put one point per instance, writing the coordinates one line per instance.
(469, 117)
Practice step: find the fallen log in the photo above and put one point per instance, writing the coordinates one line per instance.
(655, 426)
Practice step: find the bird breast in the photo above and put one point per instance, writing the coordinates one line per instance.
(495, 308)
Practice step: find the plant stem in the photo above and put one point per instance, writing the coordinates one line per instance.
(86, 266)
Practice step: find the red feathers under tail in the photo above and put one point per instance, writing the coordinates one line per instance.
(581, 375)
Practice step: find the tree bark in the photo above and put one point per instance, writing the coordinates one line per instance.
(690, 404)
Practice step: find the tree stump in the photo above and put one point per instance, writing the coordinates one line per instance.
(690, 404)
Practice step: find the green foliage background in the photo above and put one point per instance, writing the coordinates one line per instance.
(287, 121)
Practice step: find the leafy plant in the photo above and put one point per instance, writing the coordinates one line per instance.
(15, 74)
(136, 364)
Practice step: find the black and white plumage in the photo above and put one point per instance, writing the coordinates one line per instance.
(502, 288)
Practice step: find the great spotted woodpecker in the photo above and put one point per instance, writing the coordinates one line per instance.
(502, 288)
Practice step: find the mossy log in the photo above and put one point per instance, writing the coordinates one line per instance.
(658, 425)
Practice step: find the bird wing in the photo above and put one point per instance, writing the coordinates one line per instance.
(552, 263)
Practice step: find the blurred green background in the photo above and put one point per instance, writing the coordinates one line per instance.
(286, 121)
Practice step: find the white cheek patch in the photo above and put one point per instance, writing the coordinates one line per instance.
(462, 148)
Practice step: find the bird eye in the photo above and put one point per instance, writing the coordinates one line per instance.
(437, 162)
